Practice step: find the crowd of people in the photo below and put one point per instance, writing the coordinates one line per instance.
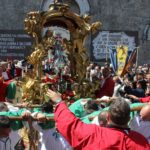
(117, 118)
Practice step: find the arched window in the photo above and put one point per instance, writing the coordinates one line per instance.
(79, 6)
(146, 33)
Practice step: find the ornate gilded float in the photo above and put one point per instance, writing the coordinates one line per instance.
(38, 25)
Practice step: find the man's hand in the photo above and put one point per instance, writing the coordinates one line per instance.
(26, 115)
(41, 117)
(55, 97)
(132, 97)
(104, 99)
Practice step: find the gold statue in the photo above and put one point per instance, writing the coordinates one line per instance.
(36, 60)
(79, 27)
(32, 25)
(79, 52)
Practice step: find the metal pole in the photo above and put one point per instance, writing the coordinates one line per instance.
(107, 47)
(137, 56)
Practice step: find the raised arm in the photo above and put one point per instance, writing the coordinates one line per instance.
(72, 128)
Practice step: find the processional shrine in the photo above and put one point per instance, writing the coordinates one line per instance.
(61, 51)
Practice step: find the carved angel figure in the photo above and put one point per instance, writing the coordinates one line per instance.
(36, 60)
(31, 24)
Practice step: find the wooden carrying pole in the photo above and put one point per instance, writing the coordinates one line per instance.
(13, 118)
(137, 108)
(32, 134)
(27, 106)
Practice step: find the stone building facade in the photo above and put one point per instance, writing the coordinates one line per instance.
(116, 15)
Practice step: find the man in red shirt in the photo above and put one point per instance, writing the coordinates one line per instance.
(142, 100)
(107, 84)
(81, 136)
(145, 99)
(3, 89)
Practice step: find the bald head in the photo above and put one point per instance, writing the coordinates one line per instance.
(102, 118)
(145, 113)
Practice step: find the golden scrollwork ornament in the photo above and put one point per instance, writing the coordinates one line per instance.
(79, 27)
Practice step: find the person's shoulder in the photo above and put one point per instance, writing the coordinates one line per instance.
(138, 141)
(110, 80)
(137, 137)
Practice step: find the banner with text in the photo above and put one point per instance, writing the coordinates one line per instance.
(106, 40)
(14, 44)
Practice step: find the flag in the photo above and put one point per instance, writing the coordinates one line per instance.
(130, 58)
(113, 59)
(121, 59)
(122, 53)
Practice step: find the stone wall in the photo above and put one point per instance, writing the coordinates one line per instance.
(130, 15)
(13, 12)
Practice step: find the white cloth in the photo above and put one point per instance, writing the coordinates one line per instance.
(104, 98)
(11, 107)
(95, 121)
(116, 90)
(141, 126)
(50, 140)
(5, 75)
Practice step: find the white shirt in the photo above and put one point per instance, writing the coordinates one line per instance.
(10, 142)
(50, 140)
(5, 144)
(92, 74)
(14, 136)
(143, 127)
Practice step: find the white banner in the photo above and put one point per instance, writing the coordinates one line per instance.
(106, 40)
